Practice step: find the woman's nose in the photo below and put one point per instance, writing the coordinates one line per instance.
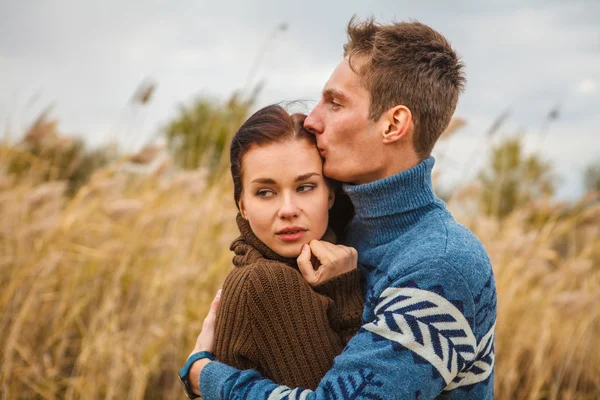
(289, 208)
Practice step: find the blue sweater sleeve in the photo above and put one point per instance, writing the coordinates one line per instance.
(418, 343)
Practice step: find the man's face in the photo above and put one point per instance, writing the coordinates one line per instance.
(349, 142)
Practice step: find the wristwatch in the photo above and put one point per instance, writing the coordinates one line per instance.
(185, 371)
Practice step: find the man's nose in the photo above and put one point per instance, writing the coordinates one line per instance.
(289, 208)
(313, 122)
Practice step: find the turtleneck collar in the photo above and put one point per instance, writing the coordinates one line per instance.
(251, 239)
(389, 204)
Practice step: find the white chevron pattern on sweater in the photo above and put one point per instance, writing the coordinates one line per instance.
(485, 350)
(284, 392)
(419, 305)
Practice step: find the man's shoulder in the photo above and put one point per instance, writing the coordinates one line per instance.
(456, 268)
(458, 246)
(439, 235)
(444, 248)
(466, 254)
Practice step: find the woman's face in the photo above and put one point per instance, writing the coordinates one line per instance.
(285, 197)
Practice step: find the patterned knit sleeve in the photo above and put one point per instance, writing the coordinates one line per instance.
(421, 340)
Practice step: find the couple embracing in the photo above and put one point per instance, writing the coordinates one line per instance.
(352, 280)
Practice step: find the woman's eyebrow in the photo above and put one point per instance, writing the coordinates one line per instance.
(270, 181)
(306, 176)
(266, 181)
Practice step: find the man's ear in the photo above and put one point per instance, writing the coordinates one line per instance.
(242, 208)
(400, 124)
(331, 198)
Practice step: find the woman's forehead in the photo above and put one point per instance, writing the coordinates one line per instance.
(282, 161)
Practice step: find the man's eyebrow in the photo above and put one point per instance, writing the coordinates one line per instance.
(266, 181)
(306, 176)
(335, 94)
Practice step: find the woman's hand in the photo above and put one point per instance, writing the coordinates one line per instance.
(331, 259)
(204, 342)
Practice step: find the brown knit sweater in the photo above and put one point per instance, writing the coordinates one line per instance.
(271, 320)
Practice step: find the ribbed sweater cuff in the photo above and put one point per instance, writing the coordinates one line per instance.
(345, 292)
(212, 378)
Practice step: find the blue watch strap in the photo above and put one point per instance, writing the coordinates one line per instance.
(185, 370)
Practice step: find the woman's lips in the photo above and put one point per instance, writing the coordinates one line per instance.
(291, 236)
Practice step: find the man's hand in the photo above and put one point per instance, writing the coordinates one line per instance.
(204, 342)
(332, 260)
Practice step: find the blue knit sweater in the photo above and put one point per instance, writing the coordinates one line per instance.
(430, 310)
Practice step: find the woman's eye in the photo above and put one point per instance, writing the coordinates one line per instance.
(264, 193)
(306, 188)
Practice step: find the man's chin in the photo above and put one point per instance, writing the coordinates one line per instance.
(329, 172)
(335, 173)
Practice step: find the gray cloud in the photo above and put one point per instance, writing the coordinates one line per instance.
(87, 58)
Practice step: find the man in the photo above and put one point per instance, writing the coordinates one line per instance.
(430, 301)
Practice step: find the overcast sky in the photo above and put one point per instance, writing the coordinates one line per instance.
(87, 58)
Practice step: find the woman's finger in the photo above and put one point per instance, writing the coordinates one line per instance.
(305, 265)
(322, 250)
(353, 254)
(335, 260)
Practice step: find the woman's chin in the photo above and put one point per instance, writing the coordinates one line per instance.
(290, 251)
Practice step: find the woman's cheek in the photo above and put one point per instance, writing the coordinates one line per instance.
(320, 216)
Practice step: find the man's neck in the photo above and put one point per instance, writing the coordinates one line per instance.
(394, 166)
(390, 205)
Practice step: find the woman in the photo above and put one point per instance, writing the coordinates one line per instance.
(269, 318)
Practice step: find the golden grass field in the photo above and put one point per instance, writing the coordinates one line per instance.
(103, 294)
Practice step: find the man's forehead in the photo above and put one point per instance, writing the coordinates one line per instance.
(342, 80)
(344, 83)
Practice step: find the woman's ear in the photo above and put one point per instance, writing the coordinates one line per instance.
(331, 198)
(242, 208)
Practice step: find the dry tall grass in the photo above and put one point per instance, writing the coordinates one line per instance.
(104, 293)
(546, 262)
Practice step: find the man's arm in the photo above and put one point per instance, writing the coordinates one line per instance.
(418, 342)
